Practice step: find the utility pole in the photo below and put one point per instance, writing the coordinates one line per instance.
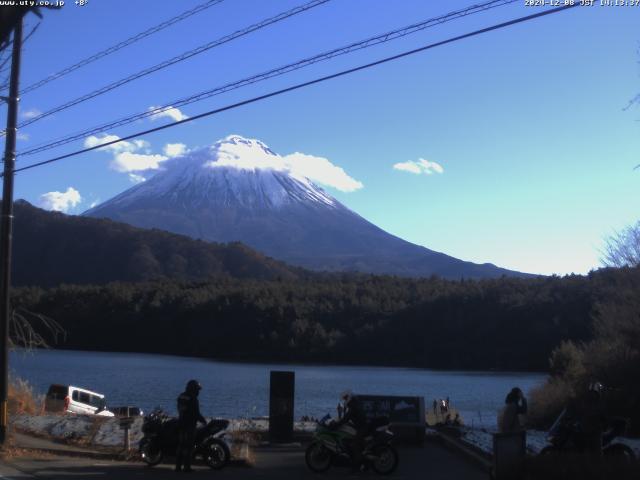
(6, 226)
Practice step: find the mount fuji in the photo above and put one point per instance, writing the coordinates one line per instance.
(240, 190)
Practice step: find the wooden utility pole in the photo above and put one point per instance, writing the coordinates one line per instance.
(6, 226)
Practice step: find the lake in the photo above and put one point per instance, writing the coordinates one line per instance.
(242, 389)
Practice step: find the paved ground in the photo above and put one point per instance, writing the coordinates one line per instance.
(430, 461)
(28, 441)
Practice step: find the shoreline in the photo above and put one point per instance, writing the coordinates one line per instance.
(276, 363)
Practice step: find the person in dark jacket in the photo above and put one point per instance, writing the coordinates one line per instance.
(590, 414)
(515, 405)
(188, 417)
(354, 415)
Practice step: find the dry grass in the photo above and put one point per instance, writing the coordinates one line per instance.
(242, 443)
(22, 399)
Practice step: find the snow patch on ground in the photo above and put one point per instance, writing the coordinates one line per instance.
(106, 432)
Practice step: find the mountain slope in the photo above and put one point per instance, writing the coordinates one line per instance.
(239, 190)
(51, 248)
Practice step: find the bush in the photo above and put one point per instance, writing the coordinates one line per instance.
(21, 398)
(547, 401)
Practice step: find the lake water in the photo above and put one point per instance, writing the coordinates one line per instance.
(242, 389)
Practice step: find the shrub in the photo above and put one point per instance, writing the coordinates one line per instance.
(22, 399)
(547, 401)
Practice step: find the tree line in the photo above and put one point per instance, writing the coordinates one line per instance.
(504, 324)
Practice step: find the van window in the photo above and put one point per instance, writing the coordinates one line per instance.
(75, 396)
(96, 401)
(85, 398)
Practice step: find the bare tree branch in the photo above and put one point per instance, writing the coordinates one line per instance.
(623, 248)
(28, 329)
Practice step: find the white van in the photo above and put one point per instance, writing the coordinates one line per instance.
(70, 399)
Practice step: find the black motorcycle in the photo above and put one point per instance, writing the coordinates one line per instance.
(161, 439)
(566, 436)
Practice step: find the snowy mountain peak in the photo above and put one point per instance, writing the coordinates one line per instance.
(234, 171)
(244, 154)
(242, 142)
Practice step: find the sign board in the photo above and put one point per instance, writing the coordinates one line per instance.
(406, 414)
(282, 387)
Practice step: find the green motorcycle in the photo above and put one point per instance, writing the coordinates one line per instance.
(332, 446)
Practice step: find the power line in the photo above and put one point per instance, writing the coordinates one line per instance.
(121, 45)
(3, 62)
(369, 42)
(306, 84)
(177, 59)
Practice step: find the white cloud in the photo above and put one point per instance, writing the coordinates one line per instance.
(421, 166)
(23, 136)
(124, 146)
(136, 178)
(134, 162)
(174, 149)
(60, 201)
(32, 113)
(94, 203)
(131, 156)
(248, 154)
(169, 112)
(321, 170)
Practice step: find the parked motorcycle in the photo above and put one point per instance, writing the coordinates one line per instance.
(332, 446)
(565, 436)
(161, 439)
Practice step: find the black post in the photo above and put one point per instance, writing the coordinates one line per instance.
(6, 226)
(282, 387)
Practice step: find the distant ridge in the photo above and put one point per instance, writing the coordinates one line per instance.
(51, 248)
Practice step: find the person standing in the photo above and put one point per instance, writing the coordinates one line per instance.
(590, 413)
(515, 405)
(355, 416)
(188, 417)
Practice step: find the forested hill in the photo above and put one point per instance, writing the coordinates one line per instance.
(506, 324)
(51, 248)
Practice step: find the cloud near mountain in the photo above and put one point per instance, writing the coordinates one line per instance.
(60, 201)
(135, 158)
(240, 153)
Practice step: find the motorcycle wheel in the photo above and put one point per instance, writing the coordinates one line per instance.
(216, 454)
(151, 454)
(620, 452)
(317, 457)
(386, 459)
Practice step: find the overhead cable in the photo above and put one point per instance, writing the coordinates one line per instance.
(179, 58)
(304, 84)
(369, 42)
(119, 46)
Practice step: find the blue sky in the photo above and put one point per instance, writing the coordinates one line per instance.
(530, 147)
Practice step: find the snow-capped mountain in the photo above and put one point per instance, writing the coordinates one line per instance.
(240, 190)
